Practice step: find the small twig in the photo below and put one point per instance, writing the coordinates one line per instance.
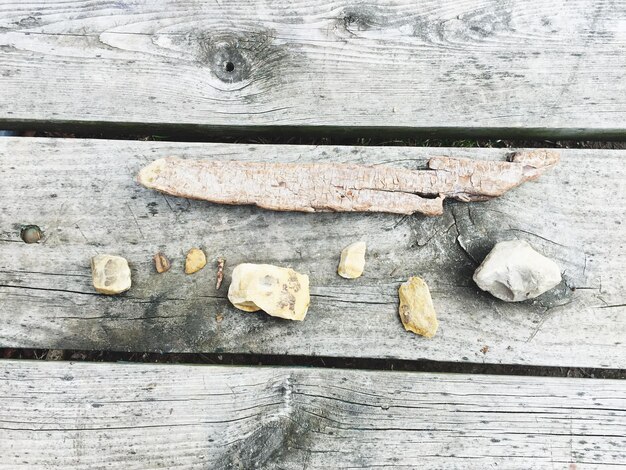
(220, 272)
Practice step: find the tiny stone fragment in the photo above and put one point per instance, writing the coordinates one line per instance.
(54, 355)
(416, 308)
(513, 271)
(111, 274)
(195, 261)
(352, 262)
(280, 292)
(161, 263)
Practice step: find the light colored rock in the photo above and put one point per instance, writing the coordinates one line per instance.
(416, 308)
(280, 292)
(195, 261)
(111, 274)
(352, 262)
(513, 271)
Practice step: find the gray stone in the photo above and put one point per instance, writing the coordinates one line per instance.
(513, 271)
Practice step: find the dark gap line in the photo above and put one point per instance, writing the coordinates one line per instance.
(310, 361)
(294, 135)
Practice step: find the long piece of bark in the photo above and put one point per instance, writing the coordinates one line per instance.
(324, 187)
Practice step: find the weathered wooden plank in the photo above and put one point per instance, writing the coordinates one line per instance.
(84, 196)
(61, 415)
(519, 64)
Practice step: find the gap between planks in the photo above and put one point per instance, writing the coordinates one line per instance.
(323, 362)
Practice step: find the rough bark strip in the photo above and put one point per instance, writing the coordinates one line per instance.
(323, 187)
(84, 197)
(81, 416)
(522, 65)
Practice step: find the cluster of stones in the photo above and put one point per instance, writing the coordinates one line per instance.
(513, 271)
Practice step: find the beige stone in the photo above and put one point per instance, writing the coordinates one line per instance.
(416, 308)
(352, 262)
(195, 261)
(280, 292)
(111, 274)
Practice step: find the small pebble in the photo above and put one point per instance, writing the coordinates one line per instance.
(352, 262)
(195, 261)
(161, 263)
(111, 274)
(416, 308)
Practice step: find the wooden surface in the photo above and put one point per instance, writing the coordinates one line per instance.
(79, 416)
(520, 64)
(83, 195)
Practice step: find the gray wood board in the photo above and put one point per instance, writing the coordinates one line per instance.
(79, 416)
(84, 196)
(520, 64)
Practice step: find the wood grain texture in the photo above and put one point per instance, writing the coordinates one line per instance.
(84, 196)
(79, 416)
(520, 64)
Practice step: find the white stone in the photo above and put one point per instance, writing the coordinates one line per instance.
(513, 271)
(280, 292)
(352, 262)
(111, 274)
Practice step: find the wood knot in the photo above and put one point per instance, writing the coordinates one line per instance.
(233, 57)
(226, 58)
(361, 18)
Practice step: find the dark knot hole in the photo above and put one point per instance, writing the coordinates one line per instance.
(229, 66)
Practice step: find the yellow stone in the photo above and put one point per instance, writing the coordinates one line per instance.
(195, 261)
(279, 292)
(352, 262)
(416, 308)
(111, 274)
